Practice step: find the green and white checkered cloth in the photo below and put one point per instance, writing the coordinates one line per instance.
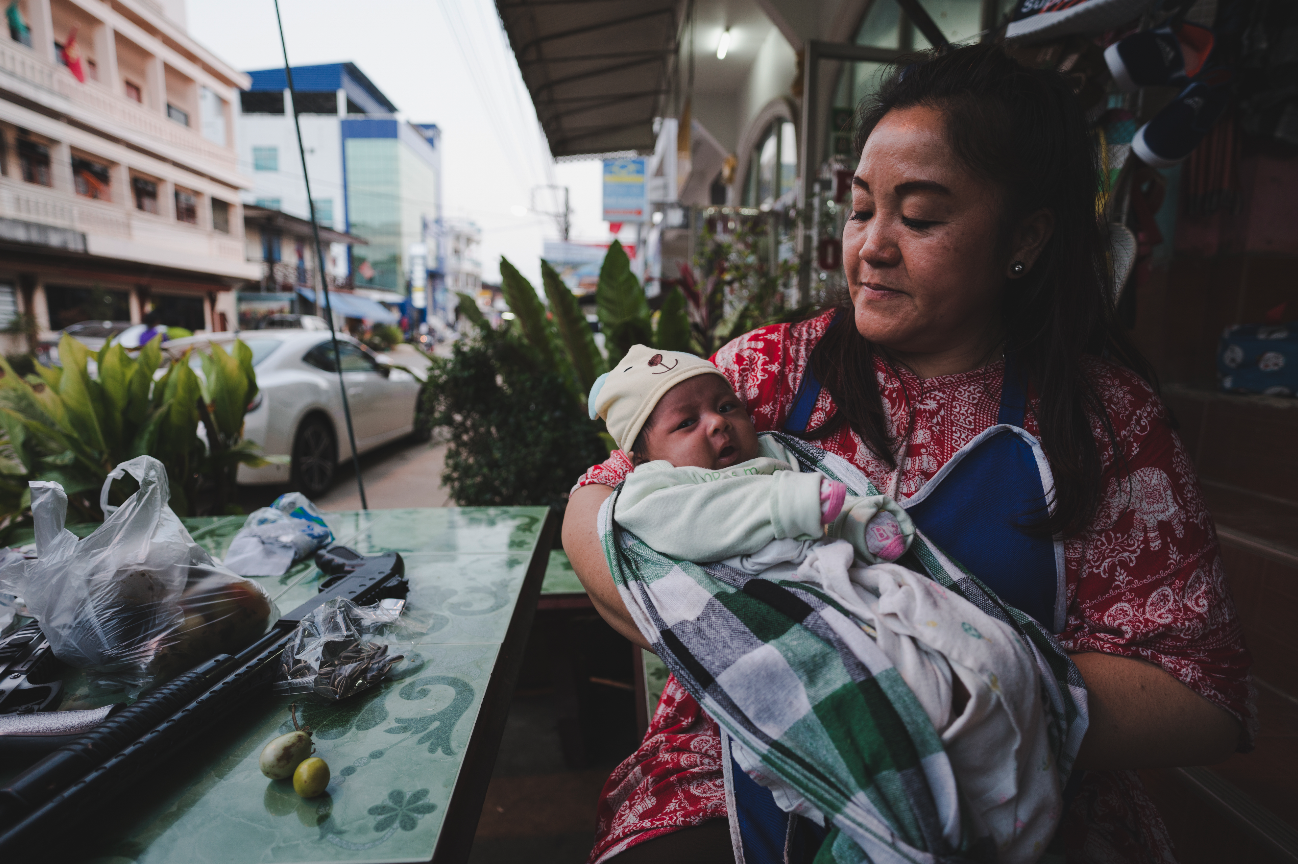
(766, 660)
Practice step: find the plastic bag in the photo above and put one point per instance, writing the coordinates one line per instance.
(326, 657)
(138, 598)
(273, 537)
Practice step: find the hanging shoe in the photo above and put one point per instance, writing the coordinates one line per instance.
(1176, 130)
(1039, 20)
(1163, 56)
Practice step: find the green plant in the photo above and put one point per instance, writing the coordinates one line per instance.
(384, 337)
(743, 283)
(518, 434)
(69, 427)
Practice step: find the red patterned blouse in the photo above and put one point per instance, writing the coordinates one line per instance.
(1145, 581)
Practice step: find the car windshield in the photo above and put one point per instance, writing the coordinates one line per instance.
(261, 349)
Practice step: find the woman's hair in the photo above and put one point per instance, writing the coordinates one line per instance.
(1024, 131)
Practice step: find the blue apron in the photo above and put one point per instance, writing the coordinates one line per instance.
(973, 509)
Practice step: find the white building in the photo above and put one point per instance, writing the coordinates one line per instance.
(119, 193)
(460, 268)
(371, 174)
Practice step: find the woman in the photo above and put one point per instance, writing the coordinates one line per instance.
(973, 239)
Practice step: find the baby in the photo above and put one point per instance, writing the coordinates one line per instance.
(707, 488)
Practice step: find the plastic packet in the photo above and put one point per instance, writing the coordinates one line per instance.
(137, 599)
(327, 656)
(273, 537)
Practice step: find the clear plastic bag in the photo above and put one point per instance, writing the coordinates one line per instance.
(138, 598)
(273, 537)
(326, 656)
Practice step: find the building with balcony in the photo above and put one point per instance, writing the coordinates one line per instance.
(372, 174)
(459, 271)
(119, 182)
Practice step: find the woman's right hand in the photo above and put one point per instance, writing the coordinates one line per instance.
(586, 553)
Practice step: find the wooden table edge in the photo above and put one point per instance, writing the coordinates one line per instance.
(463, 810)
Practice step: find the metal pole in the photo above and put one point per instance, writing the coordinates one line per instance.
(810, 164)
(319, 251)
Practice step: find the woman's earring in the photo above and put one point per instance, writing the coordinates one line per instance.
(1017, 268)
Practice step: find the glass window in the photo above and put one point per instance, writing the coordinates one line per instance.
(211, 109)
(354, 358)
(220, 216)
(271, 102)
(261, 348)
(324, 211)
(265, 158)
(317, 103)
(68, 305)
(91, 179)
(788, 158)
(270, 249)
(8, 305)
(268, 203)
(146, 194)
(767, 154)
(133, 91)
(186, 206)
(18, 29)
(882, 25)
(179, 115)
(177, 311)
(34, 159)
(959, 20)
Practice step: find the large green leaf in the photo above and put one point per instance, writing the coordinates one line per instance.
(140, 401)
(78, 394)
(51, 375)
(115, 368)
(529, 311)
(469, 309)
(226, 392)
(243, 356)
(574, 331)
(621, 305)
(673, 332)
(179, 428)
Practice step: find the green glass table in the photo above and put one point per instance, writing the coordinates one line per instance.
(410, 760)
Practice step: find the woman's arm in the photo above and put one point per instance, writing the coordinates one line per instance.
(586, 552)
(1142, 717)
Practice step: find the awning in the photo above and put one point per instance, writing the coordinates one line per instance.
(351, 306)
(598, 72)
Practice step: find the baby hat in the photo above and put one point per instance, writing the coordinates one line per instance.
(626, 396)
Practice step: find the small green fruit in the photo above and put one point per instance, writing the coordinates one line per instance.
(311, 777)
(285, 753)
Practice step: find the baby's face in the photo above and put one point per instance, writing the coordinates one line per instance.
(701, 422)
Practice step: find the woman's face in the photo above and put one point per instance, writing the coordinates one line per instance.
(921, 248)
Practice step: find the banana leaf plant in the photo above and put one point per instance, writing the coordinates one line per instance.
(560, 334)
(65, 425)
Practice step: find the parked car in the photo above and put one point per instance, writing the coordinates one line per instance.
(298, 410)
(92, 334)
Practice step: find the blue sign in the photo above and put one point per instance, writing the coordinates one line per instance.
(624, 190)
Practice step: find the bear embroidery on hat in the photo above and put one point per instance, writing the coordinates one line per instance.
(657, 360)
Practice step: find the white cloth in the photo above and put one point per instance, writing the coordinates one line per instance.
(998, 743)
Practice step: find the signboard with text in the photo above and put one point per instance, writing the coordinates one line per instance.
(624, 190)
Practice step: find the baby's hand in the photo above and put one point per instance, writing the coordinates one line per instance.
(884, 537)
(832, 495)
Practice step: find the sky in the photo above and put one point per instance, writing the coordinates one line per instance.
(439, 61)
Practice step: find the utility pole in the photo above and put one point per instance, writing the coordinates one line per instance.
(562, 218)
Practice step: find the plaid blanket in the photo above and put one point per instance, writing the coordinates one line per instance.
(765, 659)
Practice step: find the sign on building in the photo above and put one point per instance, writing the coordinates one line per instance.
(624, 190)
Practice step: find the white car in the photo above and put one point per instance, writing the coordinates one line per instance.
(298, 409)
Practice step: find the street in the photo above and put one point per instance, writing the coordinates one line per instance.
(404, 473)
